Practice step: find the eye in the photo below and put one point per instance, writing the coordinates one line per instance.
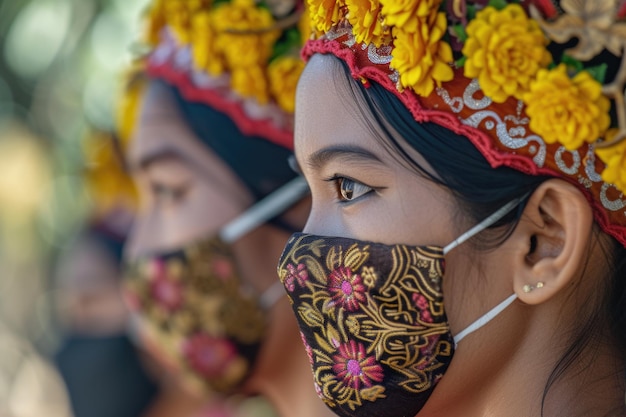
(167, 194)
(350, 190)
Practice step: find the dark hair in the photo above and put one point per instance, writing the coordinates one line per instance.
(479, 190)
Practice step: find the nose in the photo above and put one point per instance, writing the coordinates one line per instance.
(324, 221)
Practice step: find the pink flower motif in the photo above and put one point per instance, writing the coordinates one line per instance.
(346, 288)
(296, 273)
(420, 301)
(223, 268)
(209, 356)
(166, 292)
(355, 368)
(318, 390)
(423, 306)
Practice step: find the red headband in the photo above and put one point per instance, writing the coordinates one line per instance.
(498, 125)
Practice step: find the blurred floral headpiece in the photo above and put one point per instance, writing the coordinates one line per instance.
(241, 57)
(508, 75)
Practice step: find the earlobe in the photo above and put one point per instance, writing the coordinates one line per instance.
(553, 237)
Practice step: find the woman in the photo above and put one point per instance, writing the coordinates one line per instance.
(432, 130)
(218, 200)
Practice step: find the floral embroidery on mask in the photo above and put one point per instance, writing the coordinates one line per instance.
(371, 317)
(196, 316)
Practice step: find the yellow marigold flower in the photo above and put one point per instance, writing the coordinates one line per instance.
(402, 13)
(366, 21)
(250, 83)
(242, 35)
(304, 26)
(179, 15)
(420, 57)
(283, 74)
(567, 111)
(107, 181)
(324, 13)
(615, 159)
(504, 50)
(155, 21)
(204, 52)
(129, 103)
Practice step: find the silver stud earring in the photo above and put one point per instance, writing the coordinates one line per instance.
(528, 288)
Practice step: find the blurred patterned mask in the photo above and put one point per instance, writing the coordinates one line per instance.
(196, 315)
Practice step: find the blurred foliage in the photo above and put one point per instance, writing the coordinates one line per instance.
(60, 62)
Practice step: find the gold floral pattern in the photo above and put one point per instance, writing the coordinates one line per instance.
(371, 317)
(195, 316)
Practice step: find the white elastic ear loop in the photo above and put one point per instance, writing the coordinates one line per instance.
(491, 314)
(489, 221)
(269, 207)
(492, 219)
(261, 212)
(271, 295)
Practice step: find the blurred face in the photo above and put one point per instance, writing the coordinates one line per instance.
(186, 192)
(190, 320)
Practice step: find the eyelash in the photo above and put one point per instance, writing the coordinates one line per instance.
(168, 193)
(339, 181)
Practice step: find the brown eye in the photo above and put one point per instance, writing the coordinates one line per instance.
(351, 190)
(167, 194)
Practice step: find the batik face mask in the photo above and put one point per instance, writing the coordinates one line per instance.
(372, 319)
(196, 315)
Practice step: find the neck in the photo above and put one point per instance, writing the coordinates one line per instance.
(520, 376)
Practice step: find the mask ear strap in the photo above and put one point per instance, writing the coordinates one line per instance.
(489, 221)
(490, 315)
(271, 295)
(275, 203)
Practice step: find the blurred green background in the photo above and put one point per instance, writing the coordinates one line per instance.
(60, 66)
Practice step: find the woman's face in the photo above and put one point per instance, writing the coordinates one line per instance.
(338, 152)
(361, 191)
(186, 192)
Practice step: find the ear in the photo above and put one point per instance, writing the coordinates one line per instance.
(550, 241)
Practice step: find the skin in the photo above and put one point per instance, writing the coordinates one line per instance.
(188, 193)
(502, 368)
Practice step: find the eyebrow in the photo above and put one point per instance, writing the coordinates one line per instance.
(150, 158)
(348, 152)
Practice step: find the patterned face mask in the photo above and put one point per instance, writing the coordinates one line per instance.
(372, 319)
(196, 315)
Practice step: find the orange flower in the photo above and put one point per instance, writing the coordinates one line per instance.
(324, 13)
(204, 52)
(504, 50)
(242, 35)
(250, 82)
(565, 110)
(366, 21)
(403, 13)
(420, 57)
(283, 74)
(615, 159)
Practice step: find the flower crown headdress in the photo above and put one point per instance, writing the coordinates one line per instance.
(505, 75)
(241, 57)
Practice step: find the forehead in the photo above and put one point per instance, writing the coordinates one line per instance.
(328, 111)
